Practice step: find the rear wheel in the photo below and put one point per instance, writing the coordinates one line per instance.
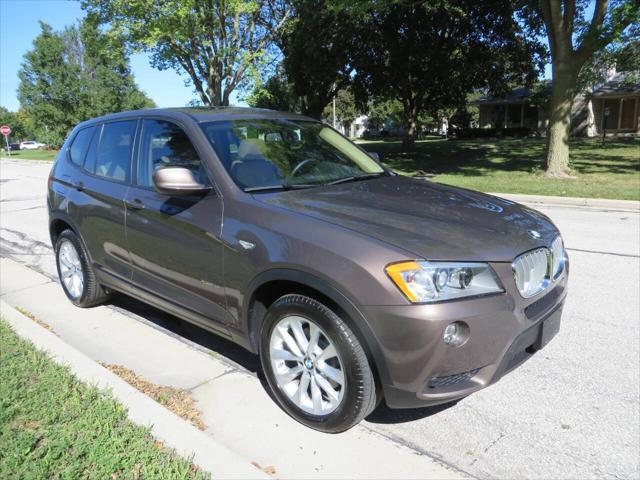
(315, 365)
(76, 273)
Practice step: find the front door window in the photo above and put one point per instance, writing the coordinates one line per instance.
(164, 144)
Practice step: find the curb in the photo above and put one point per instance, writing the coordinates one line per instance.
(601, 203)
(29, 160)
(174, 432)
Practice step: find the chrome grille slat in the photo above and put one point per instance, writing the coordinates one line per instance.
(532, 271)
(557, 253)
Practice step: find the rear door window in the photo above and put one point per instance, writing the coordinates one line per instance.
(114, 152)
(78, 148)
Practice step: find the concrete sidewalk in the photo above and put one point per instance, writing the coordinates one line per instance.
(235, 407)
(556, 201)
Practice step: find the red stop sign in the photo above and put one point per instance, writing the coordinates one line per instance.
(5, 130)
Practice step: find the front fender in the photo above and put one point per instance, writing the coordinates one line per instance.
(355, 319)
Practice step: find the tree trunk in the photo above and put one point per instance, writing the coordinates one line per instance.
(411, 129)
(556, 163)
(314, 107)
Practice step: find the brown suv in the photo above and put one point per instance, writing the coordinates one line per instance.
(353, 284)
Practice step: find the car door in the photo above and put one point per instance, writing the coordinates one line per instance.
(174, 241)
(98, 193)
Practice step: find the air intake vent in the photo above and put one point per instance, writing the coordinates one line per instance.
(439, 382)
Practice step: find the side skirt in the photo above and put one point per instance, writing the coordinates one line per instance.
(126, 287)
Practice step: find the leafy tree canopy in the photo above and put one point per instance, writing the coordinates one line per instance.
(74, 75)
(622, 55)
(20, 122)
(346, 109)
(275, 94)
(221, 45)
(318, 44)
(430, 55)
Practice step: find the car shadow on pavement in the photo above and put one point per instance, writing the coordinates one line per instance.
(385, 415)
(217, 345)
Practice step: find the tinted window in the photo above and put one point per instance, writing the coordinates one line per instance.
(164, 144)
(92, 153)
(79, 146)
(114, 153)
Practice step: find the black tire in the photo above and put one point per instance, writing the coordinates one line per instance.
(92, 293)
(359, 397)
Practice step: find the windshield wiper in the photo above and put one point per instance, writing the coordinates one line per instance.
(355, 178)
(283, 186)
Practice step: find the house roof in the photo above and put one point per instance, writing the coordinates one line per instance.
(517, 95)
(622, 83)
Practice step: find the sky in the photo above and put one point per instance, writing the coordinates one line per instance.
(19, 27)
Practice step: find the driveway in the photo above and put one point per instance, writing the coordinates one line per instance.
(571, 411)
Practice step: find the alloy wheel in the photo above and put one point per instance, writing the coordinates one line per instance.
(71, 273)
(306, 365)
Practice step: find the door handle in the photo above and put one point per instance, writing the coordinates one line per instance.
(135, 204)
(78, 186)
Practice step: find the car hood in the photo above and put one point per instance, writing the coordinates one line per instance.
(429, 220)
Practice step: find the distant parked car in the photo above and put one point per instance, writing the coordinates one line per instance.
(12, 147)
(31, 145)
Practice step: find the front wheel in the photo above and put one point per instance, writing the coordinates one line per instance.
(315, 365)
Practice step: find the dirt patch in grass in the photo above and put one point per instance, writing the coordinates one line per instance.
(175, 399)
(31, 316)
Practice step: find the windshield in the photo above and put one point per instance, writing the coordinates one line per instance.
(279, 153)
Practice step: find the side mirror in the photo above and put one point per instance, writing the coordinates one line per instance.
(375, 156)
(177, 181)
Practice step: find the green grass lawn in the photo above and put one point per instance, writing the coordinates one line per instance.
(54, 426)
(46, 155)
(611, 170)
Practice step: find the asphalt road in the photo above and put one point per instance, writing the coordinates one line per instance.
(572, 411)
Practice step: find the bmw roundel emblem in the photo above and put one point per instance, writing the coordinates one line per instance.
(533, 234)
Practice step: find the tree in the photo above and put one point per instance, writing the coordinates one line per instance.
(431, 55)
(621, 55)
(382, 113)
(104, 65)
(219, 44)
(275, 94)
(20, 123)
(50, 88)
(573, 40)
(72, 76)
(317, 44)
(346, 109)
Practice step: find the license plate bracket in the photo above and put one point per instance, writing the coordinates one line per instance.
(549, 327)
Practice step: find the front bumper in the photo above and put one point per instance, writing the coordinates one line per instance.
(505, 330)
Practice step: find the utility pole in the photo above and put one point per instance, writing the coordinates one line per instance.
(334, 111)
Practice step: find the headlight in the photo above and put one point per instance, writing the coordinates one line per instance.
(436, 281)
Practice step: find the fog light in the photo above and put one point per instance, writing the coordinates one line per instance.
(455, 334)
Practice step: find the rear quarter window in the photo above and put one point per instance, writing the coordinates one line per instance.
(80, 144)
(92, 153)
